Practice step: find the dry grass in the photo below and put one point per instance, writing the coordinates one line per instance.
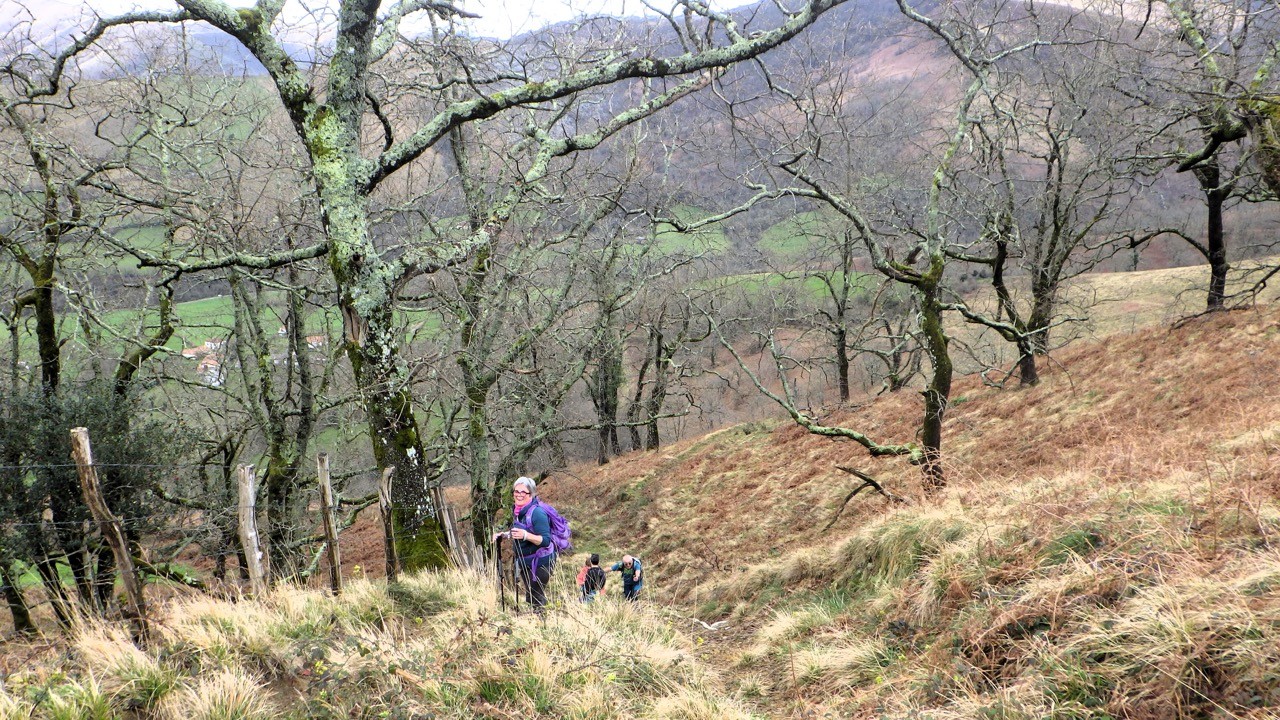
(1106, 547)
(1060, 598)
(1130, 410)
(693, 705)
(11, 708)
(1122, 302)
(835, 662)
(231, 694)
(436, 645)
(131, 677)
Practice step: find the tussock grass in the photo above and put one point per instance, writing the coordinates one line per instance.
(884, 551)
(838, 661)
(692, 705)
(1187, 648)
(58, 697)
(1063, 598)
(1263, 579)
(786, 627)
(131, 677)
(223, 695)
(590, 703)
(11, 708)
(433, 645)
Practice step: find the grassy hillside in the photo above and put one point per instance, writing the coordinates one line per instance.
(432, 646)
(1106, 547)
(796, 236)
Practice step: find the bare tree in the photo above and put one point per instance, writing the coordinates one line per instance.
(930, 239)
(1054, 170)
(1219, 73)
(54, 221)
(328, 109)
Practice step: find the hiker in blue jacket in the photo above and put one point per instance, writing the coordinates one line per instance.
(530, 534)
(632, 576)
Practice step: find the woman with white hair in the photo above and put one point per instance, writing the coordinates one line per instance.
(530, 535)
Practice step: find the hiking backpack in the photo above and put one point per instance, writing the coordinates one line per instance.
(561, 536)
(594, 582)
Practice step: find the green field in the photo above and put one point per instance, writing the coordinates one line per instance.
(215, 314)
(707, 240)
(798, 235)
(147, 238)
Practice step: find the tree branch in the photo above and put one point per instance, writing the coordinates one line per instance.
(911, 450)
(533, 92)
(867, 482)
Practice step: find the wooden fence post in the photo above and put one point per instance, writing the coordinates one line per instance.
(112, 532)
(462, 547)
(329, 514)
(467, 545)
(445, 513)
(254, 556)
(388, 524)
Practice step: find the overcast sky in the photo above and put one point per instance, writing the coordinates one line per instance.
(500, 18)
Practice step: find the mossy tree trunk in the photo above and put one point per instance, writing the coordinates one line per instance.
(938, 392)
(1209, 175)
(366, 282)
(39, 256)
(388, 406)
(1223, 102)
(22, 622)
(1266, 134)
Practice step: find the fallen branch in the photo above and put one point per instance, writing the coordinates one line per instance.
(867, 482)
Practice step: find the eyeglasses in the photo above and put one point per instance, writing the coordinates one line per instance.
(519, 492)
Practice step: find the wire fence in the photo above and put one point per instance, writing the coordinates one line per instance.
(313, 520)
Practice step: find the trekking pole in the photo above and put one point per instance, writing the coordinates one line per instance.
(502, 592)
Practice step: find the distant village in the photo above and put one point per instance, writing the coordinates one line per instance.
(211, 356)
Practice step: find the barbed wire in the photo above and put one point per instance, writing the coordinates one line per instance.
(210, 515)
(196, 518)
(31, 466)
(46, 466)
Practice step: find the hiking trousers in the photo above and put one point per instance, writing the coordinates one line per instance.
(535, 584)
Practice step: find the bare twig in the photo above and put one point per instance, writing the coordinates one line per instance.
(867, 482)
